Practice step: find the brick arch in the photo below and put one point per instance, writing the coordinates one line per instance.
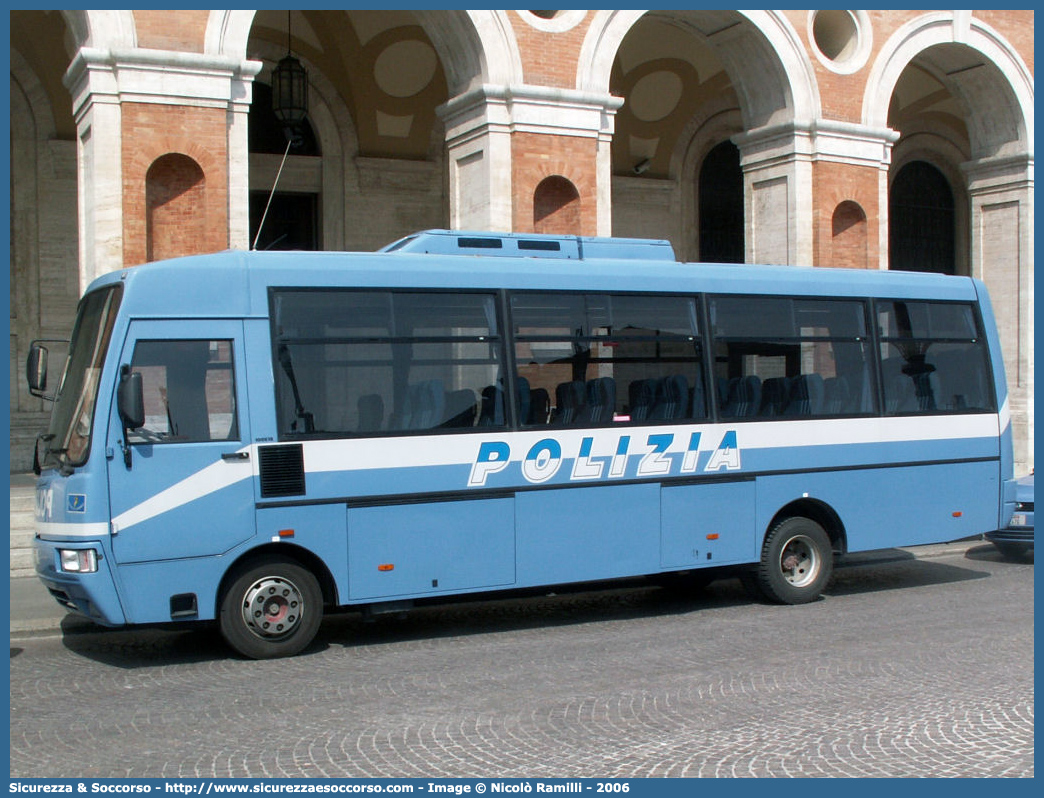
(175, 207)
(200, 135)
(539, 158)
(848, 231)
(556, 206)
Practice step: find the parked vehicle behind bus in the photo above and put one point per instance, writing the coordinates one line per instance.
(250, 438)
(1015, 541)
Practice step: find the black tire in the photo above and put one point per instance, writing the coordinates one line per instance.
(271, 609)
(796, 562)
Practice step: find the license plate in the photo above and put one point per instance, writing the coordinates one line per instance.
(1019, 519)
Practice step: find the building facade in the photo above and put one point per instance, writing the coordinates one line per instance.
(861, 139)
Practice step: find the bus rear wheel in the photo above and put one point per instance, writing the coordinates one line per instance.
(796, 562)
(271, 609)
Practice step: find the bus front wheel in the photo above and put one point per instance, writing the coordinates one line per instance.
(796, 562)
(271, 609)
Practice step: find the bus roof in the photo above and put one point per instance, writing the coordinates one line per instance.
(235, 283)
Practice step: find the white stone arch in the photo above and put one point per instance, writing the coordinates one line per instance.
(772, 73)
(475, 47)
(997, 99)
(227, 33)
(779, 102)
(109, 29)
(1001, 120)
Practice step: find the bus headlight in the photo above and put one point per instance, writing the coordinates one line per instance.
(81, 561)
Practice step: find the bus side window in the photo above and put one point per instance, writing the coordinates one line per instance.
(933, 358)
(596, 359)
(791, 357)
(189, 391)
(372, 362)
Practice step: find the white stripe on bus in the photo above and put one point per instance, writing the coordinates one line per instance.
(439, 450)
(53, 530)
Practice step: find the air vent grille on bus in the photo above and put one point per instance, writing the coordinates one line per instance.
(282, 470)
(532, 245)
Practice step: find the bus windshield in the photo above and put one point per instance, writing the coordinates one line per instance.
(68, 439)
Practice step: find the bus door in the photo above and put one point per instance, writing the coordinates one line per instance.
(181, 484)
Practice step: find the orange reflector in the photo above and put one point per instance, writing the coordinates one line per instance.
(958, 514)
(387, 566)
(286, 533)
(712, 536)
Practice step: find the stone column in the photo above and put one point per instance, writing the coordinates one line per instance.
(1001, 193)
(179, 87)
(782, 167)
(494, 131)
(91, 80)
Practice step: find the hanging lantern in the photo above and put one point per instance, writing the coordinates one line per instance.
(290, 91)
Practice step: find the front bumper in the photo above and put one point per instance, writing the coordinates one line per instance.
(1022, 535)
(92, 595)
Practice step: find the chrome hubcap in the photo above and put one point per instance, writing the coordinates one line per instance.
(272, 607)
(799, 561)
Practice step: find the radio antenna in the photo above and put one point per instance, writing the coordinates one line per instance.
(271, 194)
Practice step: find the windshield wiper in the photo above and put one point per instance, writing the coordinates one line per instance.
(288, 368)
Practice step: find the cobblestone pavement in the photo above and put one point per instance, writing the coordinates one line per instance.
(915, 667)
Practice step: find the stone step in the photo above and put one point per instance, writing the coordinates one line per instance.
(22, 563)
(23, 503)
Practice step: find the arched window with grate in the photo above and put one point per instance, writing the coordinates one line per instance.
(721, 205)
(921, 224)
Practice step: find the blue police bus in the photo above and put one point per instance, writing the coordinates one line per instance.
(254, 437)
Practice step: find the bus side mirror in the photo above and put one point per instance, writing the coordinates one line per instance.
(36, 369)
(130, 399)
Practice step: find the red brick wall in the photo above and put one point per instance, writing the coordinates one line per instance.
(834, 184)
(550, 59)
(171, 30)
(536, 157)
(149, 133)
(842, 95)
(848, 243)
(556, 207)
(175, 199)
(1015, 26)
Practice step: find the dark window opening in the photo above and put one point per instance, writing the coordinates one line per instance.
(265, 131)
(291, 223)
(721, 205)
(921, 223)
